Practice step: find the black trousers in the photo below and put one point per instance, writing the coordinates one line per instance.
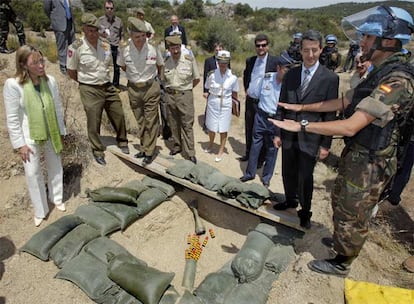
(250, 112)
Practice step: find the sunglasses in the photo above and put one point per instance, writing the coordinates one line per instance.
(261, 45)
(109, 8)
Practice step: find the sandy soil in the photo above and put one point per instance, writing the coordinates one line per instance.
(25, 279)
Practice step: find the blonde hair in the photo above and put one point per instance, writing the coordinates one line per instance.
(22, 56)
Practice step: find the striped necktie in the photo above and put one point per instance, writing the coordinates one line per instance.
(305, 82)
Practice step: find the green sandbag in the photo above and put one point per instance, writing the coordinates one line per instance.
(233, 188)
(100, 247)
(40, 244)
(89, 274)
(248, 263)
(215, 286)
(149, 199)
(200, 173)
(126, 215)
(125, 298)
(147, 284)
(189, 298)
(155, 183)
(71, 244)
(170, 296)
(120, 195)
(181, 168)
(98, 218)
(215, 181)
(253, 195)
(136, 185)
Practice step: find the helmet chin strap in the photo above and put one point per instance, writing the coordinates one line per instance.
(378, 46)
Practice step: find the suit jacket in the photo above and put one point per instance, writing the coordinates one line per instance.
(271, 64)
(210, 64)
(55, 10)
(168, 30)
(323, 86)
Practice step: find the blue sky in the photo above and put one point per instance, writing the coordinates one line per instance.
(290, 3)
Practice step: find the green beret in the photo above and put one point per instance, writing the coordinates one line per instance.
(173, 40)
(90, 20)
(140, 11)
(136, 25)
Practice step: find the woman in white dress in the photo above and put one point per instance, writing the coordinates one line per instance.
(222, 86)
(35, 123)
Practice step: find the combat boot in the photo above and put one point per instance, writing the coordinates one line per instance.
(339, 266)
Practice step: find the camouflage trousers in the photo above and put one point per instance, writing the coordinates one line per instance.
(358, 186)
(8, 15)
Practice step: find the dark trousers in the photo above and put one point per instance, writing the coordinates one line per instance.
(63, 40)
(263, 132)
(114, 51)
(297, 174)
(250, 112)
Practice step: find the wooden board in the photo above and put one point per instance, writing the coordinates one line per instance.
(161, 163)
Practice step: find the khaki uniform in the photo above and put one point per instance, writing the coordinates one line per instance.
(362, 174)
(179, 78)
(96, 91)
(143, 90)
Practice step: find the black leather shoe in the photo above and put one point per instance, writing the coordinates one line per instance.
(140, 155)
(244, 158)
(266, 185)
(329, 267)
(124, 149)
(193, 159)
(174, 152)
(245, 178)
(286, 205)
(304, 217)
(100, 160)
(328, 242)
(147, 160)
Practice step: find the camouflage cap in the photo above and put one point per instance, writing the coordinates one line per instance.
(136, 25)
(90, 20)
(140, 11)
(173, 40)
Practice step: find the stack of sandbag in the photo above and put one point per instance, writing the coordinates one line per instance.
(248, 278)
(249, 195)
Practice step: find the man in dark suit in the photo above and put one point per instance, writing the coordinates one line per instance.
(256, 67)
(176, 29)
(210, 64)
(308, 83)
(60, 15)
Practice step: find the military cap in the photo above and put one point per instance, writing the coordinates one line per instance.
(140, 11)
(223, 56)
(173, 40)
(90, 20)
(136, 25)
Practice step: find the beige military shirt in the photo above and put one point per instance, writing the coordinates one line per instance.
(141, 66)
(180, 75)
(91, 64)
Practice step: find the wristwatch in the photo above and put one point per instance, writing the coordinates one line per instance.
(303, 124)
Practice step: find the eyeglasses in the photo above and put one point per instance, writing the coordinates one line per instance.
(261, 45)
(109, 8)
(40, 61)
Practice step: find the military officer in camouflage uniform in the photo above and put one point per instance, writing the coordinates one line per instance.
(142, 62)
(7, 15)
(88, 63)
(181, 76)
(372, 111)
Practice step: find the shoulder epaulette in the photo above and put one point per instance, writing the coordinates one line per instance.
(189, 57)
(77, 43)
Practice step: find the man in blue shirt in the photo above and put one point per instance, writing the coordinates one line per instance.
(263, 130)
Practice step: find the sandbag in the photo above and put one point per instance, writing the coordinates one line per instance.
(136, 185)
(40, 244)
(181, 168)
(98, 218)
(253, 195)
(233, 188)
(120, 195)
(147, 284)
(215, 286)
(89, 274)
(170, 296)
(215, 181)
(71, 244)
(126, 215)
(155, 183)
(125, 298)
(248, 263)
(200, 173)
(149, 199)
(189, 298)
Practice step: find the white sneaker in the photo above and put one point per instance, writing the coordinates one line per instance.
(37, 221)
(207, 150)
(61, 207)
(218, 159)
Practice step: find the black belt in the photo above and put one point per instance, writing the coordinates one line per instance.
(99, 86)
(175, 92)
(254, 100)
(265, 114)
(141, 85)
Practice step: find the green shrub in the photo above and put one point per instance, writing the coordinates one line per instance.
(36, 18)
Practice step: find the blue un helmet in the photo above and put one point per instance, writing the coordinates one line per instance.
(331, 39)
(297, 36)
(380, 21)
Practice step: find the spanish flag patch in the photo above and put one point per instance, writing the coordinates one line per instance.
(385, 88)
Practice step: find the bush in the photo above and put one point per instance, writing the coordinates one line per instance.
(36, 18)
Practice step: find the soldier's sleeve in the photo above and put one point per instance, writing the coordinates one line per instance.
(72, 55)
(386, 98)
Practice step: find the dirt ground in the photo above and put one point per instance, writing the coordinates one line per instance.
(26, 279)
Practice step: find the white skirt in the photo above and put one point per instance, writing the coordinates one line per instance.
(218, 115)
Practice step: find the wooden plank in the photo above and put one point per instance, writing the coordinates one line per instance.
(161, 163)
